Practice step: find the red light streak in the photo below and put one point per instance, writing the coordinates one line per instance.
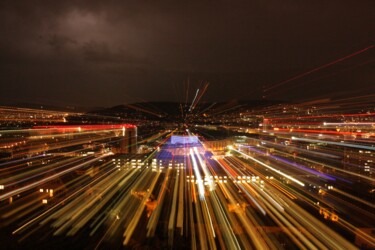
(88, 127)
(318, 68)
(320, 116)
(322, 131)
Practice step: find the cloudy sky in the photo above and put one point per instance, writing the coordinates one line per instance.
(103, 53)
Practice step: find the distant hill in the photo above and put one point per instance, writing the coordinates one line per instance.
(174, 110)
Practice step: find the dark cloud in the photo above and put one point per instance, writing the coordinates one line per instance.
(60, 43)
(109, 52)
(101, 53)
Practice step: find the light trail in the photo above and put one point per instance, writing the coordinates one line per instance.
(54, 176)
(178, 194)
(199, 179)
(269, 167)
(192, 103)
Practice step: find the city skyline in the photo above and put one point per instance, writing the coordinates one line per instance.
(282, 176)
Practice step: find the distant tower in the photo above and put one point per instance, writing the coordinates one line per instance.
(128, 144)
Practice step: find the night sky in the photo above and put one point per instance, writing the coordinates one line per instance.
(104, 53)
